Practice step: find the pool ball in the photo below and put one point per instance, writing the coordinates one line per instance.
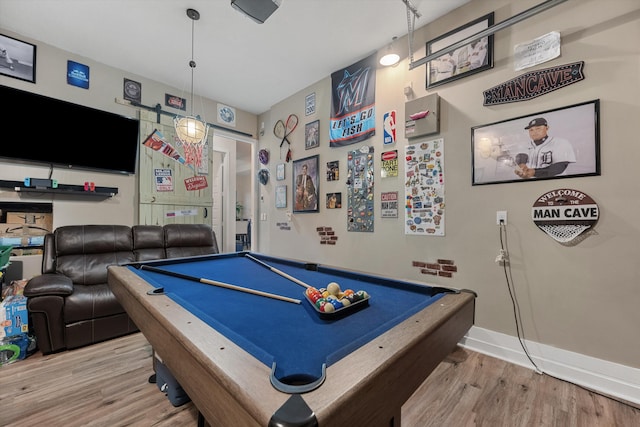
(333, 288)
(362, 295)
(328, 308)
(345, 302)
(336, 304)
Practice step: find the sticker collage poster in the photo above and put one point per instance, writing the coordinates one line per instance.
(424, 188)
(360, 181)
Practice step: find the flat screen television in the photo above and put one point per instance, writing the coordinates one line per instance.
(41, 130)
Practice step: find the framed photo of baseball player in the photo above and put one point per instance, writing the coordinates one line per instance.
(306, 184)
(17, 59)
(467, 59)
(552, 144)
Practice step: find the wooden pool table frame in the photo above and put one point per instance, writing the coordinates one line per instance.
(232, 388)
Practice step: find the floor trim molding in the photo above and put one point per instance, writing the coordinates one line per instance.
(611, 379)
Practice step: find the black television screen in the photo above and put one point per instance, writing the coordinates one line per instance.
(43, 130)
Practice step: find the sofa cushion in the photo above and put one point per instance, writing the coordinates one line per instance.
(83, 252)
(148, 242)
(90, 302)
(184, 240)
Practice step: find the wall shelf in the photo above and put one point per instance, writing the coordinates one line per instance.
(62, 189)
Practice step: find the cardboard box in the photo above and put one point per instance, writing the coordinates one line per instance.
(38, 222)
(14, 319)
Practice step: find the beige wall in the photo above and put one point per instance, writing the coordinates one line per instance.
(105, 87)
(581, 299)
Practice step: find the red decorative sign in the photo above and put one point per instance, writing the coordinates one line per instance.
(196, 183)
(536, 83)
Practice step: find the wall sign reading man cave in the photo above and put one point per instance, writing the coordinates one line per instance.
(565, 214)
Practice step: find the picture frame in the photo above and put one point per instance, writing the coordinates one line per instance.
(312, 135)
(310, 104)
(280, 172)
(333, 170)
(306, 184)
(17, 59)
(281, 196)
(504, 152)
(334, 200)
(465, 61)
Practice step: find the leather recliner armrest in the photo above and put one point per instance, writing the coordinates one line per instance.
(49, 284)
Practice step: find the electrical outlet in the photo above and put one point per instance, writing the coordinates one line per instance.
(501, 218)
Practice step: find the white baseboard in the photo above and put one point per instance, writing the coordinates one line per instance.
(611, 379)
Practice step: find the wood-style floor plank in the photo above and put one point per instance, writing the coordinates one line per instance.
(107, 384)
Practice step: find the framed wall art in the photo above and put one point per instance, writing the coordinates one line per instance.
(334, 200)
(333, 170)
(559, 143)
(281, 196)
(312, 135)
(467, 60)
(17, 59)
(280, 171)
(305, 184)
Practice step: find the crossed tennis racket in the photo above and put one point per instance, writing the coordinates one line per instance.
(282, 131)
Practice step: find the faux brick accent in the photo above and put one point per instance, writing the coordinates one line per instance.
(441, 268)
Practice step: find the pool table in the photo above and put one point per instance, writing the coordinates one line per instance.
(242, 338)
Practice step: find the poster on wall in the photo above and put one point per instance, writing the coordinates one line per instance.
(389, 204)
(389, 164)
(78, 74)
(424, 188)
(389, 127)
(164, 179)
(360, 180)
(353, 99)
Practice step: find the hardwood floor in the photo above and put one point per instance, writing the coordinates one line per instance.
(107, 385)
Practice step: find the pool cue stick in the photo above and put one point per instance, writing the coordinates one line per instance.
(220, 284)
(275, 270)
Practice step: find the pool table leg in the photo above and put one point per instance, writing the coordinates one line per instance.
(395, 421)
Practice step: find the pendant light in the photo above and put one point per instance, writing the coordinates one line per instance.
(191, 129)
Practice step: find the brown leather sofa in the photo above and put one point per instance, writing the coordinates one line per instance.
(70, 305)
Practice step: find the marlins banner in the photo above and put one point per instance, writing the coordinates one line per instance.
(353, 111)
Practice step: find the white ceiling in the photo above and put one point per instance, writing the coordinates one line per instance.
(241, 63)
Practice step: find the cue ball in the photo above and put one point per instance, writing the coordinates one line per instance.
(333, 288)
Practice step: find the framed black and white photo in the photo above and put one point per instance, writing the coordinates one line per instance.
(312, 135)
(559, 143)
(306, 184)
(467, 60)
(17, 59)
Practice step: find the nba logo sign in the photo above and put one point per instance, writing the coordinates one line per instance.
(389, 127)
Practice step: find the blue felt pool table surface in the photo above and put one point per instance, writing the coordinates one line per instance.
(294, 336)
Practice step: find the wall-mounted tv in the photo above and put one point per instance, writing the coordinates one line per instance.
(41, 130)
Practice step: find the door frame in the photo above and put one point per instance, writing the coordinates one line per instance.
(226, 142)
